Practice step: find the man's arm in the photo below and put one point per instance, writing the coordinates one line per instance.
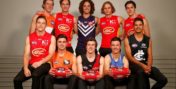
(121, 22)
(26, 58)
(146, 27)
(75, 26)
(74, 67)
(33, 24)
(125, 62)
(79, 66)
(150, 57)
(98, 26)
(106, 65)
(101, 67)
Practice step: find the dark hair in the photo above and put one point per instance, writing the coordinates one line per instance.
(41, 17)
(61, 36)
(91, 39)
(130, 2)
(138, 19)
(107, 2)
(91, 4)
(63, 0)
(44, 1)
(116, 39)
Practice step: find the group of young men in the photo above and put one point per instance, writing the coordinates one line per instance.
(49, 56)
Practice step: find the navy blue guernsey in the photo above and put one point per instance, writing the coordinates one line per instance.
(117, 64)
(86, 29)
(139, 50)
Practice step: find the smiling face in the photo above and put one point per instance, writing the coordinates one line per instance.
(61, 43)
(138, 26)
(65, 5)
(90, 47)
(115, 47)
(86, 8)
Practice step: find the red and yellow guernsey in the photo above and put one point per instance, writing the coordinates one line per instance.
(109, 29)
(128, 25)
(39, 46)
(64, 25)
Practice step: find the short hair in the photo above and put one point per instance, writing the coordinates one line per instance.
(107, 2)
(130, 2)
(44, 1)
(41, 17)
(91, 39)
(138, 19)
(63, 0)
(116, 39)
(91, 4)
(61, 36)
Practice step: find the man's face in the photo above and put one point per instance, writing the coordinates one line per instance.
(41, 24)
(86, 8)
(65, 5)
(48, 6)
(90, 47)
(107, 9)
(138, 27)
(61, 43)
(130, 9)
(115, 47)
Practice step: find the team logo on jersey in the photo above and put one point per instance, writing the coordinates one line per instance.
(108, 30)
(143, 45)
(134, 45)
(139, 55)
(34, 42)
(38, 52)
(91, 23)
(66, 62)
(112, 22)
(59, 19)
(45, 42)
(68, 20)
(63, 27)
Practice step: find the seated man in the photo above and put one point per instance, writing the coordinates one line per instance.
(139, 52)
(63, 66)
(39, 49)
(90, 67)
(116, 65)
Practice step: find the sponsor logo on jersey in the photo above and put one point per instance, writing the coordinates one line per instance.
(112, 22)
(108, 30)
(34, 42)
(134, 45)
(63, 27)
(52, 22)
(85, 67)
(56, 62)
(59, 19)
(91, 23)
(68, 20)
(103, 23)
(38, 52)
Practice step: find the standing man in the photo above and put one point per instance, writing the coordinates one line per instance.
(39, 49)
(64, 62)
(109, 27)
(115, 62)
(87, 25)
(47, 12)
(139, 52)
(90, 66)
(130, 7)
(65, 23)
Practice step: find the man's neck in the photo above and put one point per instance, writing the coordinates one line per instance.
(139, 36)
(86, 15)
(108, 16)
(90, 56)
(47, 13)
(65, 12)
(40, 33)
(61, 52)
(133, 15)
(116, 55)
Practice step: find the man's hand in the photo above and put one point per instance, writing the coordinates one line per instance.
(27, 72)
(146, 68)
(51, 71)
(36, 64)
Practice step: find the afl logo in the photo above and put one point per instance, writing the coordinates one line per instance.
(108, 30)
(38, 52)
(63, 27)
